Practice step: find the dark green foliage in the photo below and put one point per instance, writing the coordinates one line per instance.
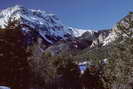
(14, 67)
(69, 76)
(58, 72)
(92, 80)
(130, 13)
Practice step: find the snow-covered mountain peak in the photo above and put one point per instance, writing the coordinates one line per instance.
(36, 16)
(45, 23)
(79, 32)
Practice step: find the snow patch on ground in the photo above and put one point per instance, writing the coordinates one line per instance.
(4, 87)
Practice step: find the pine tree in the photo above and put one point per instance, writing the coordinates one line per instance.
(70, 75)
(14, 67)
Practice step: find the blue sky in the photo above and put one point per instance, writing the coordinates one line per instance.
(85, 14)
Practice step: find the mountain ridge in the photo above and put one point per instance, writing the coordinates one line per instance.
(49, 27)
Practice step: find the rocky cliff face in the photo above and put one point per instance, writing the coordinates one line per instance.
(116, 31)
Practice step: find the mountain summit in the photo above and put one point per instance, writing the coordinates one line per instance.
(44, 23)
